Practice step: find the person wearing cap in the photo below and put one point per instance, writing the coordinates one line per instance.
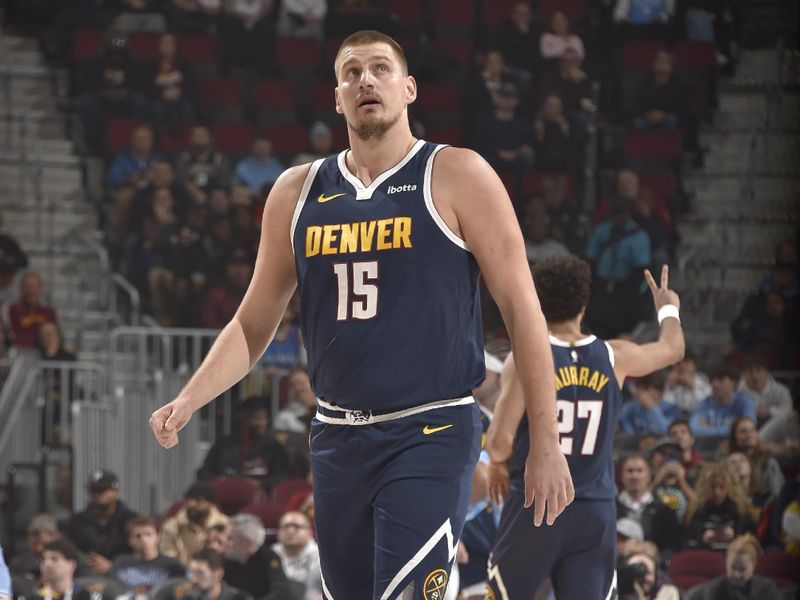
(503, 138)
(186, 532)
(320, 137)
(647, 414)
(41, 530)
(99, 530)
(629, 535)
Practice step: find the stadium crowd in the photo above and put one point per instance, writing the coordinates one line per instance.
(197, 106)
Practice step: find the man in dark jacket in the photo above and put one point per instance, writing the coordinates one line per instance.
(206, 570)
(99, 530)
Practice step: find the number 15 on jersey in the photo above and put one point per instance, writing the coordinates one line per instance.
(357, 290)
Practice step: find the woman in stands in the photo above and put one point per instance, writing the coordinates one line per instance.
(720, 511)
(744, 438)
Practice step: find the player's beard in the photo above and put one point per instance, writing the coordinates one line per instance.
(375, 129)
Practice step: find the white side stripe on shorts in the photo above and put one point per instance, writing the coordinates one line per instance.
(445, 531)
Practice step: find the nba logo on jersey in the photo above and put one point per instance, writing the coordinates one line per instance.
(435, 585)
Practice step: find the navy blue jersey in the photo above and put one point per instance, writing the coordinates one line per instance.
(390, 309)
(588, 404)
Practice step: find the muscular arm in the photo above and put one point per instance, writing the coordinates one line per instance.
(474, 204)
(243, 340)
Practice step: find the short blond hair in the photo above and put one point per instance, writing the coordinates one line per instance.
(370, 36)
(744, 544)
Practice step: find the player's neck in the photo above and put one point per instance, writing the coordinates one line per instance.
(367, 159)
(567, 331)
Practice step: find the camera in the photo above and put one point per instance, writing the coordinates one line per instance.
(627, 576)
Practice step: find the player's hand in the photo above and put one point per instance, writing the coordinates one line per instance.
(168, 420)
(662, 295)
(548, 483)
(497, 477)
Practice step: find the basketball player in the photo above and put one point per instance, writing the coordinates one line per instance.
(385, 242)
(578, 552)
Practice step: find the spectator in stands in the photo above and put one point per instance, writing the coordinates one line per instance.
(488, 82)
(286, 350)
(643, 581)
(160, 175)
(110, 86)
(554, 143)
(629, 536)
(618, 249)
(744, 438)
(140, 15)
(146, 567)
(567, 224)
(220, 247)
(99, 530)
(130, 171)
(720, 510)
(518, 42)
(681, 432)
(645, 215)
(260, 168)
(637, 501)
(223, 300)
(219, 538)
(659, 100)
(5, 578)
(252, 566)
(301, 408)
(207, 573)
(25, 316)
(51, 343)
(302, 18)
(570, 83)
(536, 228)
(647, 413)
(201, 167)
(12, 261)
(686, 387)
(715, 414)
(669, 482)
(59, 563)
(171, 86)
(186, 532)
(739, 582)
(41, 531)
(767, 331)
(645, 19)
(554, 43)
(742, 468)
(773, 399)
(193, 16)
(502, 137)
(299, 553)
(248, 34)
(251, 452)
(320, 138)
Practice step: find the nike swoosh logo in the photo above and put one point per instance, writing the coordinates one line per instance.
(323, 198)
(427, 430)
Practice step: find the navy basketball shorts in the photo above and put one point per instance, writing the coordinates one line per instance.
(578, 552)
(390, 499)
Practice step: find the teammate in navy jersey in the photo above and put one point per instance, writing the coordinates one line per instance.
(385, 242)
(578, 552)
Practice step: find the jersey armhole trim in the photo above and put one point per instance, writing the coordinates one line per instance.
(426, 192)
(610, 354)
(301, 201)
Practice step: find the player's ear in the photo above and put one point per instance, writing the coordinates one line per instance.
(339, 109)
(411, 89)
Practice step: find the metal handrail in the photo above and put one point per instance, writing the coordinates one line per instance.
(132, 293)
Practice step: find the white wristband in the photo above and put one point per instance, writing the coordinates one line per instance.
(667, 311)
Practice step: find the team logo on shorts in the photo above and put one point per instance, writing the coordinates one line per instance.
(435, 585)
(489, 593)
